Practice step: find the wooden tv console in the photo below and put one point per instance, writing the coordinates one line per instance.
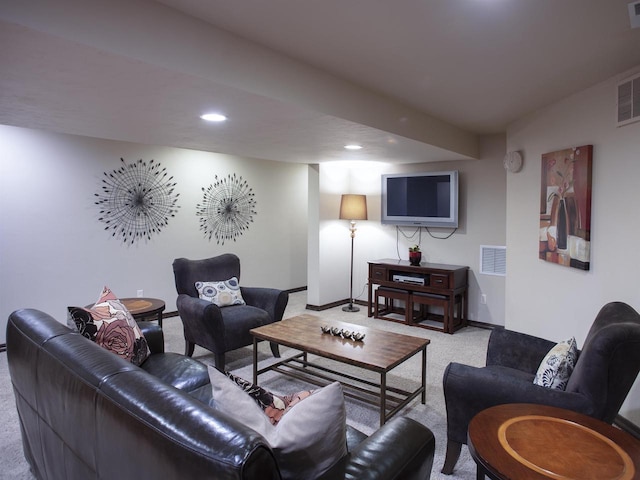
(425, 284)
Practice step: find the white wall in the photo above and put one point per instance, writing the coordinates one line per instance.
(54, 252)
(482, 222)
(550, 300)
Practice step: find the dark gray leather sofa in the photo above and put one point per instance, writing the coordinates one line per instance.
(87, 414)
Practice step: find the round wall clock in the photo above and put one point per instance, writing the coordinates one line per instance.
(513, 162)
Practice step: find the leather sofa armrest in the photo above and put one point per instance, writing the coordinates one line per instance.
(401, 448)
(153, 335)
(516, 350)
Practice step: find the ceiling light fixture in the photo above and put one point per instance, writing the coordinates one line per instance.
(353, 146)
(213, 117)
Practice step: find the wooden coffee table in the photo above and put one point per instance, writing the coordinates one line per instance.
(531, 442)
(380, 352)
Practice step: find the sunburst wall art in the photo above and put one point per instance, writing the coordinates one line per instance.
(137, 200)
(227, 208)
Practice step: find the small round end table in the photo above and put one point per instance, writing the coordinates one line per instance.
(143, 308)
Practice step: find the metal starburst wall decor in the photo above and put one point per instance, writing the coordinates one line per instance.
(227, 208)
(137, 200)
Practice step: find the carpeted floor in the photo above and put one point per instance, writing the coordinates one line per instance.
(465, 346)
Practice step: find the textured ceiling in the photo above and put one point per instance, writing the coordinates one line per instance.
(473, 64)
(478, 64)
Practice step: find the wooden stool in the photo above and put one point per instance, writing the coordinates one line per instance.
(389, 295)
(449, 319)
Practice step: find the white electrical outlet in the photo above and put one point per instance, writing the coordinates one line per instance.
(140, 293)
(483, 299)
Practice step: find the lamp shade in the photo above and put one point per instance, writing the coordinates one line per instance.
(353, 207)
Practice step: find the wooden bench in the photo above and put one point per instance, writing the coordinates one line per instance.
(450, 321)
(389, 295)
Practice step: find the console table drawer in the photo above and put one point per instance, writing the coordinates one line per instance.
(379, 273)
(441, 281)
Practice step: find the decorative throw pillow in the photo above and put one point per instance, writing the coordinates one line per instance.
(307, 441)
(110, 325)
(222, 293)
(556, 367)
(274, 406)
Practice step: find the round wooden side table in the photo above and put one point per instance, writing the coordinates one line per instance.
(533, 442)
(144, 308)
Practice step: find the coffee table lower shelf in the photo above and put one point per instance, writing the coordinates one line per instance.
(389, 399)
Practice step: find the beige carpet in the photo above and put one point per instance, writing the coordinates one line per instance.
(465, 346)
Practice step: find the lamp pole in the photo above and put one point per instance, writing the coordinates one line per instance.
(352, 207)
(350, 307)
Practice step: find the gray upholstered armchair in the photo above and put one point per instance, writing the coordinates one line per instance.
(604, 372)
(222, 329)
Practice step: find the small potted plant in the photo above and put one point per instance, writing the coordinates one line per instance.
(415, 255)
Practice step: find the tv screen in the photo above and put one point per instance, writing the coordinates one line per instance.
(423, 199)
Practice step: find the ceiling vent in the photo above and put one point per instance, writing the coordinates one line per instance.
(629, 100)
(634, 14)
(493, 260)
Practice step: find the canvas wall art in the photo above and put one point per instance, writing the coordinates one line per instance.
(565, 207)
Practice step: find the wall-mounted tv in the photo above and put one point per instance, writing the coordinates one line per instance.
(427, 199)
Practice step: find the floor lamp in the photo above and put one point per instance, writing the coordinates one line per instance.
(352, 208)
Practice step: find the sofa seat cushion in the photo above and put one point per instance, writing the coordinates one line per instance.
(177, 370)
(238, 320)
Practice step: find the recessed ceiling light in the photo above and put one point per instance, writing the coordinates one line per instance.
(213, 117)
(353, 146)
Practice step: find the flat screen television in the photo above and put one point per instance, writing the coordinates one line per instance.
(427, 199)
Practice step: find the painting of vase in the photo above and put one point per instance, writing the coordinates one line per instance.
(565, 207)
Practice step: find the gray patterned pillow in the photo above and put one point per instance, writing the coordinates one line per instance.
(556, 367)
(223, 293)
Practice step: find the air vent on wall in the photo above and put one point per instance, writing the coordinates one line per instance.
(493, 260)
(628, 100)
(634, 14)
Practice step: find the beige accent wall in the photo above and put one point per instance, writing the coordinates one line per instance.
(482, 222)
(553, 301)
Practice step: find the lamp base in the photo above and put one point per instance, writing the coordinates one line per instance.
(350, 308)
